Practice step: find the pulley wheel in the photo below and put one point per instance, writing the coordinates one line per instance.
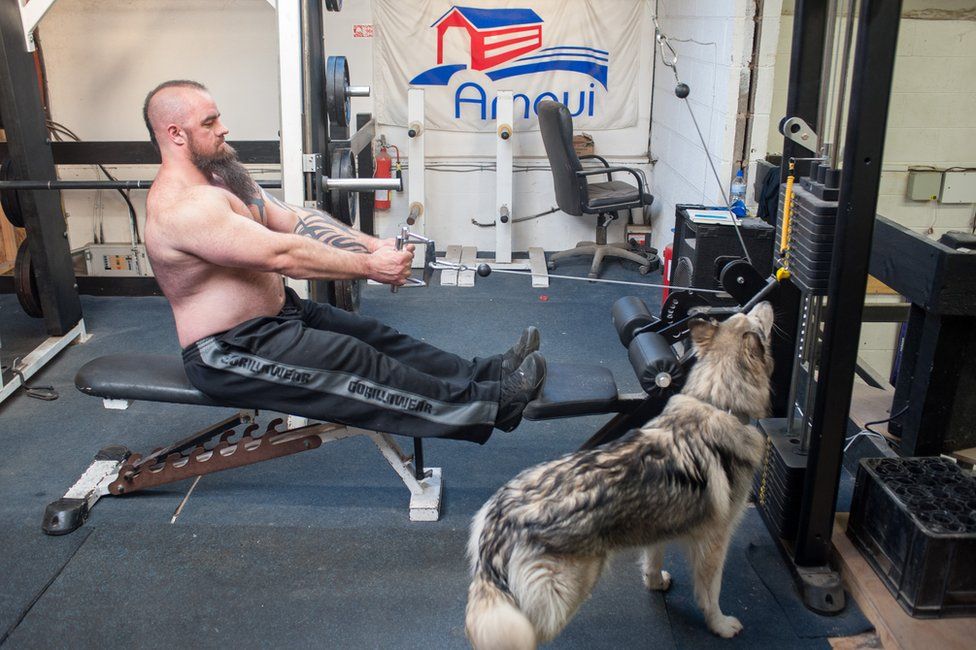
(10, 199)
(25, 283)
(338, 105)
(343, 202)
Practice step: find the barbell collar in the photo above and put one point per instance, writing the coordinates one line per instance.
(357, 91)
(363, 184)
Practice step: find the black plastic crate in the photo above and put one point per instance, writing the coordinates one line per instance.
(914, 519)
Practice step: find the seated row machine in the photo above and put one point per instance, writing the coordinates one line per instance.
(569, 390)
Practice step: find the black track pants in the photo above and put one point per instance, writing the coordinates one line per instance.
(324, 363)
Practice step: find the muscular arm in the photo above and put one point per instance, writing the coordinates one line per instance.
(205, 226)
(315, 224)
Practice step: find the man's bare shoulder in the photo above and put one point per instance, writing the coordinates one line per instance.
(179, 203)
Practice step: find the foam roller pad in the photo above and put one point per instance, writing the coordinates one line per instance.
(629, 314)
(650, 355)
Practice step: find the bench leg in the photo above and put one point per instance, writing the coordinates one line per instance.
(70, 511)
(425, 493)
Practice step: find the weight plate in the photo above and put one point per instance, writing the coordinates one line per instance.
(25, 283)
(676, 308)
(338, 105)
(10, 199)
(346, 294)
(343, 202)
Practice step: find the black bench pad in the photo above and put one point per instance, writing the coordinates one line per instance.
(574, 389)
(146, 377)
(569, 389)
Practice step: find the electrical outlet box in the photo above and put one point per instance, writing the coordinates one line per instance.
(924, 185)
(117, 260)
(959, 187)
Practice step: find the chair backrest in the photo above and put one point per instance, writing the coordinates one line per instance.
(556, 125)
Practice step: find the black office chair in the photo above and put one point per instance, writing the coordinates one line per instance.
(576, 196)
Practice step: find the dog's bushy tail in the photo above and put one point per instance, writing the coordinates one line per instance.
(493, 620)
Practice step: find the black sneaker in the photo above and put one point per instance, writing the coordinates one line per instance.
(518, 389)
(526, 345)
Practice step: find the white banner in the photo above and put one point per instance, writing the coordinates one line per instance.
(583, 53)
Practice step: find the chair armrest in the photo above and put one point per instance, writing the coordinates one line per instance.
(601, 159)
(639, 177)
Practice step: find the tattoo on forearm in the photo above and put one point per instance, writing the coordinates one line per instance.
(318, 225)
(258, 202)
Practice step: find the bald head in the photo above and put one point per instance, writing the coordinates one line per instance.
(169, 103)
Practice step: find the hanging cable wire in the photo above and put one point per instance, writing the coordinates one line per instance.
(669, 57)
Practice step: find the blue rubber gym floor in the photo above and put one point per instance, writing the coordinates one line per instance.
(316, 549)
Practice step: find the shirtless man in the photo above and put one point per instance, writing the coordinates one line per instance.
(219, 246)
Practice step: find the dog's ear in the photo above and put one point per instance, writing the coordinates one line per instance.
(753, 344)
(702, 332)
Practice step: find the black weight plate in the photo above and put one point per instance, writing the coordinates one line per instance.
(346, 294)
(343, 202)
(25, 283)
(338, 105)
(676, 308)
(10, 199)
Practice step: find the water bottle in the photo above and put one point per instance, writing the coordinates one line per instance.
(737, 195)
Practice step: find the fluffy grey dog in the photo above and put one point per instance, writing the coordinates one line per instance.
(538, 546)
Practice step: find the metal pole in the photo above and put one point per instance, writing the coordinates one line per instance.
(806, 60)
(842, 85)
(315, 137)
(825, 73)
(874, 63)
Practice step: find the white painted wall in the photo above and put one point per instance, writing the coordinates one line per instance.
(931, 122)
(714, 43)
(102, 57)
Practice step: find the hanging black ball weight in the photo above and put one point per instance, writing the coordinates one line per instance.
(682, 90)
(484, 270)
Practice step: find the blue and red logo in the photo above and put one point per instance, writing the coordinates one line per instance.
(508, 43)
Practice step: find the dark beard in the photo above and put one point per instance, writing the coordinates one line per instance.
(225, 168)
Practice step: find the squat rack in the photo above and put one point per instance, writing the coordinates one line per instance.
(304, 129)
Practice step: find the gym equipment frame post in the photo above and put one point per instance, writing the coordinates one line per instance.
(20, 104)
(290, 108)
(864, 144)
(23, 113)
(505, 111)
(416, 192)
(505, 136)
(806, 73)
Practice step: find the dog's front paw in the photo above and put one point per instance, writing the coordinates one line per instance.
(725, 626)
(657, 581)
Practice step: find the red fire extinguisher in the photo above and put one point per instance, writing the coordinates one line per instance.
(384, 164)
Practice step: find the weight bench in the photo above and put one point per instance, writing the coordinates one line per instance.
(569, 391)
